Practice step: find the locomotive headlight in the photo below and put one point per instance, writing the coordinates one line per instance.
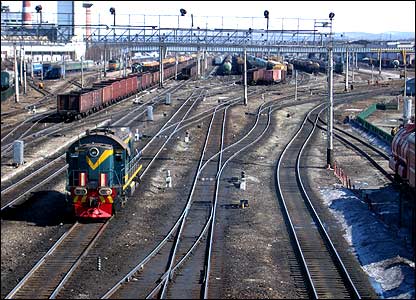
(94, 152)
(105, 191)
(80, 191)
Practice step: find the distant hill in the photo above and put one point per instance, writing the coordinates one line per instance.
(385, 36)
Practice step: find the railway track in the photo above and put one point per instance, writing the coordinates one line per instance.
(58, 263)
(16, 193)
(374, 155)
(324, 271)
(173, 131)
(328, 273)
(28, 286)
(193, 282)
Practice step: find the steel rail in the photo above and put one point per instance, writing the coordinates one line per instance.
(40, 262)
(34, 187)
(31, 174)
(344, 271)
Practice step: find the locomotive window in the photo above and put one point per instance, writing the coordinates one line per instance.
(119, 157)
(94, 152)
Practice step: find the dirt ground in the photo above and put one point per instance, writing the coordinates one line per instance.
(253, 257)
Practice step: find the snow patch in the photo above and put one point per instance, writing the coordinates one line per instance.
(379, 251)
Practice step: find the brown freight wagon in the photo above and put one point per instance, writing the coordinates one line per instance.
(123, 89)
(106, 92)
(116, 90)
(155, 78)
(79, 103)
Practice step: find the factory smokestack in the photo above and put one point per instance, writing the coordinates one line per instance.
(87, 5)
(26, 14)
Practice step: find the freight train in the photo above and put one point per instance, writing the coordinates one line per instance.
(264, 76)
(402, 161)
(81, 103)
(315, 66)
(103, 168)
(54, 70)
(188, 72)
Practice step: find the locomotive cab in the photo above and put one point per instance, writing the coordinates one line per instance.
(98, 168)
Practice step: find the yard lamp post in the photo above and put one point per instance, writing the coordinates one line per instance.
(266, 15)
(329, 150)
(113, 12)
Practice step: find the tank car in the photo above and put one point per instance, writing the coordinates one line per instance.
(339, 68)
(7, 78)
(103, 168)
(218, 60)
(402, 160)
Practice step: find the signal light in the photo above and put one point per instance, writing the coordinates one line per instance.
(105, 191)
(80, 191)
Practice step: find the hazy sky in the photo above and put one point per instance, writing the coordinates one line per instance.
(364, 16)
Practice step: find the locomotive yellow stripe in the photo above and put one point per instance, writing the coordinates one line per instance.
(76, 199)
(127, 139)
(102, 199)
(131, 178)
(110, 199)
(84, 199)
(102, 158)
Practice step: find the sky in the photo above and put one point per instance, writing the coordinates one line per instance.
(350, 16)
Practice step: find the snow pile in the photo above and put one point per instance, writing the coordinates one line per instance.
(381, 254)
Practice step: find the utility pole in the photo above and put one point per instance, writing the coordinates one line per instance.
(21, 65)
(105, 57)
(198, 62)
(296, 85)
(346, 72)
(82, 72)
(16, 81)
(161, 66)
(245, 77)
(24, 75)
(372, 71)
(176, 61)
(379, 66)
(330, 147)
(352, 68)
(405, 76)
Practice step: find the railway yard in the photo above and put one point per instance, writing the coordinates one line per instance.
(231, 201)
